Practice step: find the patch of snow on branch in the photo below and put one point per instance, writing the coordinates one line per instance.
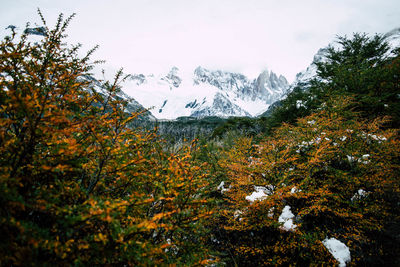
(338, 250)
(361, 193)
(222, 188)
(260, 193)
(271, 212)
(363, 159)
(375, 137)
(237, 214)
(299, 104)
(351, 158)
(294, 190)
(287, 219)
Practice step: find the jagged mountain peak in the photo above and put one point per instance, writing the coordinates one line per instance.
(202, 74)
(174, 70)
(223, 80)
(138, 78)
(283, 79)
(205, 93)
(270, 76)
(172, 77)
(270, 85)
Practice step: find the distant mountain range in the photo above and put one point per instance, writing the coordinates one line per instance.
(205, 93)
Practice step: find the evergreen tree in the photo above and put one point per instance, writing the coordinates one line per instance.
(363, 66)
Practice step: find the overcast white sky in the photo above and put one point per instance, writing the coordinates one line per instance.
(247, 36)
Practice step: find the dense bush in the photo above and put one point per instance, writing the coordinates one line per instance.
(78, 186)
(339, 176)
(329, 158)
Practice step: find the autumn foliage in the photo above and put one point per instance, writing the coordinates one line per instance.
(339, 175)
(332, 164)
(78, 184)
(81, 184)
(328, 167)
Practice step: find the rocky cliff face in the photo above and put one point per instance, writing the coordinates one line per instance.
(172, 78)
(206, 93)
(270, 86)
(221, 107)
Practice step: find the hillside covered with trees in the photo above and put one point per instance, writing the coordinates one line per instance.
(314, 183)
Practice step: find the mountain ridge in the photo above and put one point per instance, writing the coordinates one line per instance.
(205, 92)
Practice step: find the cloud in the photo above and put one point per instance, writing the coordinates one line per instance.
(236, 35)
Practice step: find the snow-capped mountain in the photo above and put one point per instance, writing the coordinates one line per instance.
(205, 92)
(132, 107)
(393, 38)
(303, 77)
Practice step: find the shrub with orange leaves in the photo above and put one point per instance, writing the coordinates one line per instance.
(331, 174)
(78, 184)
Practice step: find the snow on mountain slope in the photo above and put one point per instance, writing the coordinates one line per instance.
(132, 106)
(393, 38)
(205, 93)
(303, 77)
